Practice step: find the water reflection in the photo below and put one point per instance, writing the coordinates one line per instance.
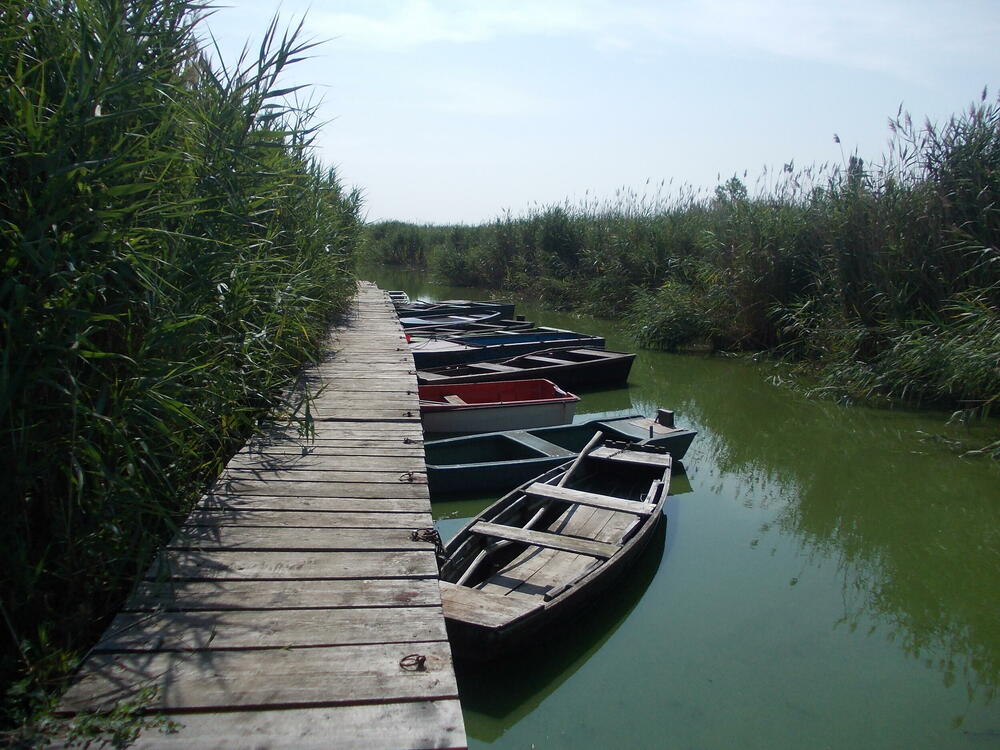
(890, 543)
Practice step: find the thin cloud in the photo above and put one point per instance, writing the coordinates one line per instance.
(890, 36)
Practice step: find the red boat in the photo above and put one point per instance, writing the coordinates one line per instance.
(493, 406)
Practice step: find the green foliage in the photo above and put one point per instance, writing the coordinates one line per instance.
(171, 253)
(873, 274)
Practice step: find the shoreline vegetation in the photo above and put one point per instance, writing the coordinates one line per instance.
(880, 283)
(172, 253)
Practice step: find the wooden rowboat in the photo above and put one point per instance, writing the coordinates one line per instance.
(440, 352)
(499, 461)
(454, 307)
(446, 321)
(547, 549)
(488, 407)
(568, 368)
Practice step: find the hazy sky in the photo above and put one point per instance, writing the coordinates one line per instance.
(446, 111)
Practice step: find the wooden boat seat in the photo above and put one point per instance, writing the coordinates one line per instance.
(494, 367)
(489, 609)
(545, 360)
(590, 499)
(632, 457)
(456, 400)
(588, 547)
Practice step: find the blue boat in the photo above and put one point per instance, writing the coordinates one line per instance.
(457, 350)
(499, 461)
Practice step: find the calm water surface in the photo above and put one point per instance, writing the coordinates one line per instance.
(828, 578)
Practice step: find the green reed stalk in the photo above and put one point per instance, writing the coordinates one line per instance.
(171, 254)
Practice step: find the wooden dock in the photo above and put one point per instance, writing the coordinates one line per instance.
(299, 607)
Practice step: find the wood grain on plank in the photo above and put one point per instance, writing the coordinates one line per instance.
(265, 538)
(250, 629)
(268, 565)
(308, 519)
(254, 594)
(294, 677)
(423, 725)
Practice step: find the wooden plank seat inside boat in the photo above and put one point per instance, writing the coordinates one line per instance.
(544, 360)
(494, 367)
(546, 540)
(491, 609)
(629, 457)
(578, 497)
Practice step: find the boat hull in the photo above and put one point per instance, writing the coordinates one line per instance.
(499, 417)
(577, 367)
(521, 597)
(499, 461)
(465, 349)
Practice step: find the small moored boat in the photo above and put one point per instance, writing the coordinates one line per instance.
(488, 407)
(454, 307)
(499, 461)
(551, 546)
(447, 321)
(439, 352)
(569, 368)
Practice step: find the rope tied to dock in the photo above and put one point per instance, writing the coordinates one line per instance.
(430, 534)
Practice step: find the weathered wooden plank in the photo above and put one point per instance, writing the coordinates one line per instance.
(391, 476)
(334, 452)
(545, 539)
(389, 726)
(220, 565)
(181, 631)
(293, 677)
(254, 594)
(308, 519)
(490, 609)
(207, 538)
(334, 462)
(238, 501)
(590, 499)
(284, 487)
(322, 413)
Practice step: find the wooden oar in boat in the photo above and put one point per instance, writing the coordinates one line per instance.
(590, 446)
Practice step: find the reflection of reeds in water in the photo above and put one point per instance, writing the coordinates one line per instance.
(172, 253)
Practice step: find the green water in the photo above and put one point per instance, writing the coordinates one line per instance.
(829, 577)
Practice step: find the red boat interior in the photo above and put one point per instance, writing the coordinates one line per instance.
(507, 391)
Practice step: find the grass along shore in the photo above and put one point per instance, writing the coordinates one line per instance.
(172, 253)
(881, 281)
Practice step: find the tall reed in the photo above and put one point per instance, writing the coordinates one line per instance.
(171, 253)
(886, 276)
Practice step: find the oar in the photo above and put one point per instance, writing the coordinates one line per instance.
(541, 511)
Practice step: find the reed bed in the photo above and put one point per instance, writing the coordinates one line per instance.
(172, 253)
(882, 280)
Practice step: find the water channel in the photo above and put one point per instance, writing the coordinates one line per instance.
(829, 577)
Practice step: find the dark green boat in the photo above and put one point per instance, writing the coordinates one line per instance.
(499, 461)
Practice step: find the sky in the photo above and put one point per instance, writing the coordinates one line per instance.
(443, 111)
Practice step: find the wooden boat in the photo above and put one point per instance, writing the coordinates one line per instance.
(499, 324)
(454, 307)
(568, 368)
(488, 407)
(550, 547)
(499, 461)
(453, 350)
(446, 321)
(398, 297)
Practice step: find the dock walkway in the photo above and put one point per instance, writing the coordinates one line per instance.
(298, 608)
